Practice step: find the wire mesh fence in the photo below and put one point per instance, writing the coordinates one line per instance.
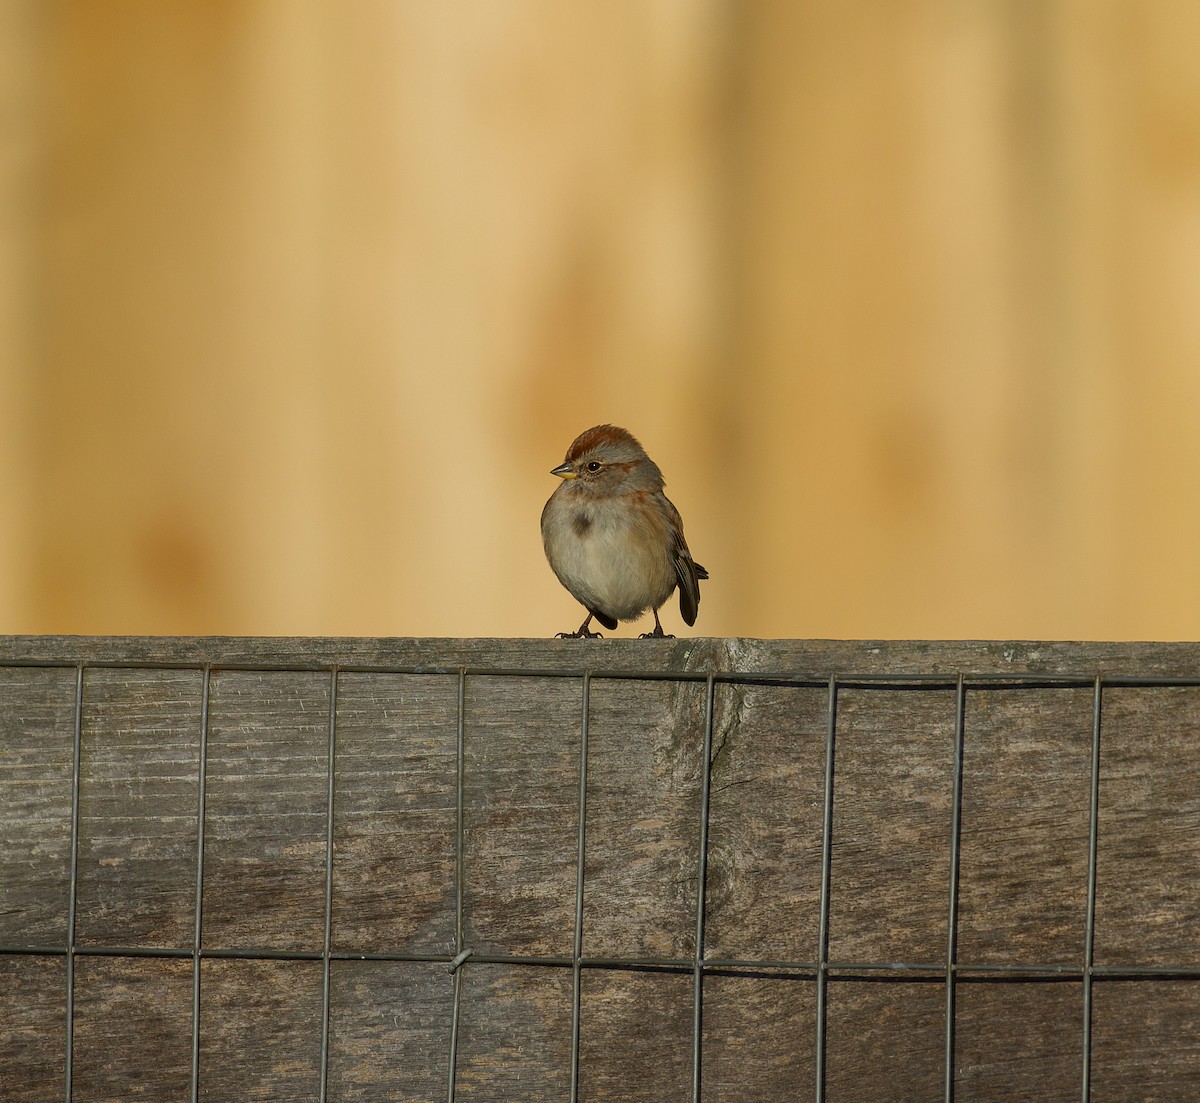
(332, 879)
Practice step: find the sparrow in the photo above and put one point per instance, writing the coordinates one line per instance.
(613, 537)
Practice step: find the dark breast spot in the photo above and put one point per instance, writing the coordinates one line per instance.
(581, 522)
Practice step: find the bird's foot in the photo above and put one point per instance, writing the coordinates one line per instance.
(657, 634)
(582, 634)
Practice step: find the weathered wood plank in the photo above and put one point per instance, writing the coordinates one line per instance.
(1022, 886)
(817, 657)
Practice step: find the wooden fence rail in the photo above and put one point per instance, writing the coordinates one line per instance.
(626, 870)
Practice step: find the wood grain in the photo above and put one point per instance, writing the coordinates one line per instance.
(265, 816)
(759, 1037)
(514, 1037)
(1146, 1041)
(1003, 1049)
(764, 872)
(820, 658)
(258, 1024)
(389, 1030)
(886, 1041)
(394, 812)
(891, 825)
(1022, 891)
(133, 1026)
(645, 765)
(521, 814)
(632, 1020)
(33, 1027)
(1027, 758)
(37, 723)
(1148, 878)
(138, 802)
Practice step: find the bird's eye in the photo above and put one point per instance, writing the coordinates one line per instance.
(594, 466)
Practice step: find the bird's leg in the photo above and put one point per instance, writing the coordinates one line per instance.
(658, 633)
(583, 633)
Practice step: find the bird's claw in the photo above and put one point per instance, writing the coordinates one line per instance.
(582, 634)
(657, 634)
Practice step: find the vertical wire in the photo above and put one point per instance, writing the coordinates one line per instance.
(826, 863)
(701, 894)
(197, 928)
(459, 881)
(459, 851)
(73, 882)
(1089, 936)
(326, 940)
(952, 913)
(581, 848)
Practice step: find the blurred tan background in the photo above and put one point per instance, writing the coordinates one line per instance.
(301, 301)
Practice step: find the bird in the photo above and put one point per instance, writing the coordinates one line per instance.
(613, 538)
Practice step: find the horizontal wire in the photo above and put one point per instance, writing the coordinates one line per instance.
(851, 680)
(841, 970)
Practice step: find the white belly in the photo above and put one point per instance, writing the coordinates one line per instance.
(607, 565)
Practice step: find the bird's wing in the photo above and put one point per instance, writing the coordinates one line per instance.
(687, 570)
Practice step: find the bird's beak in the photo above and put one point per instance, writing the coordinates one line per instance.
(564, 471)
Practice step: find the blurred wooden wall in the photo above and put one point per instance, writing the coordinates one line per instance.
(299, 303)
